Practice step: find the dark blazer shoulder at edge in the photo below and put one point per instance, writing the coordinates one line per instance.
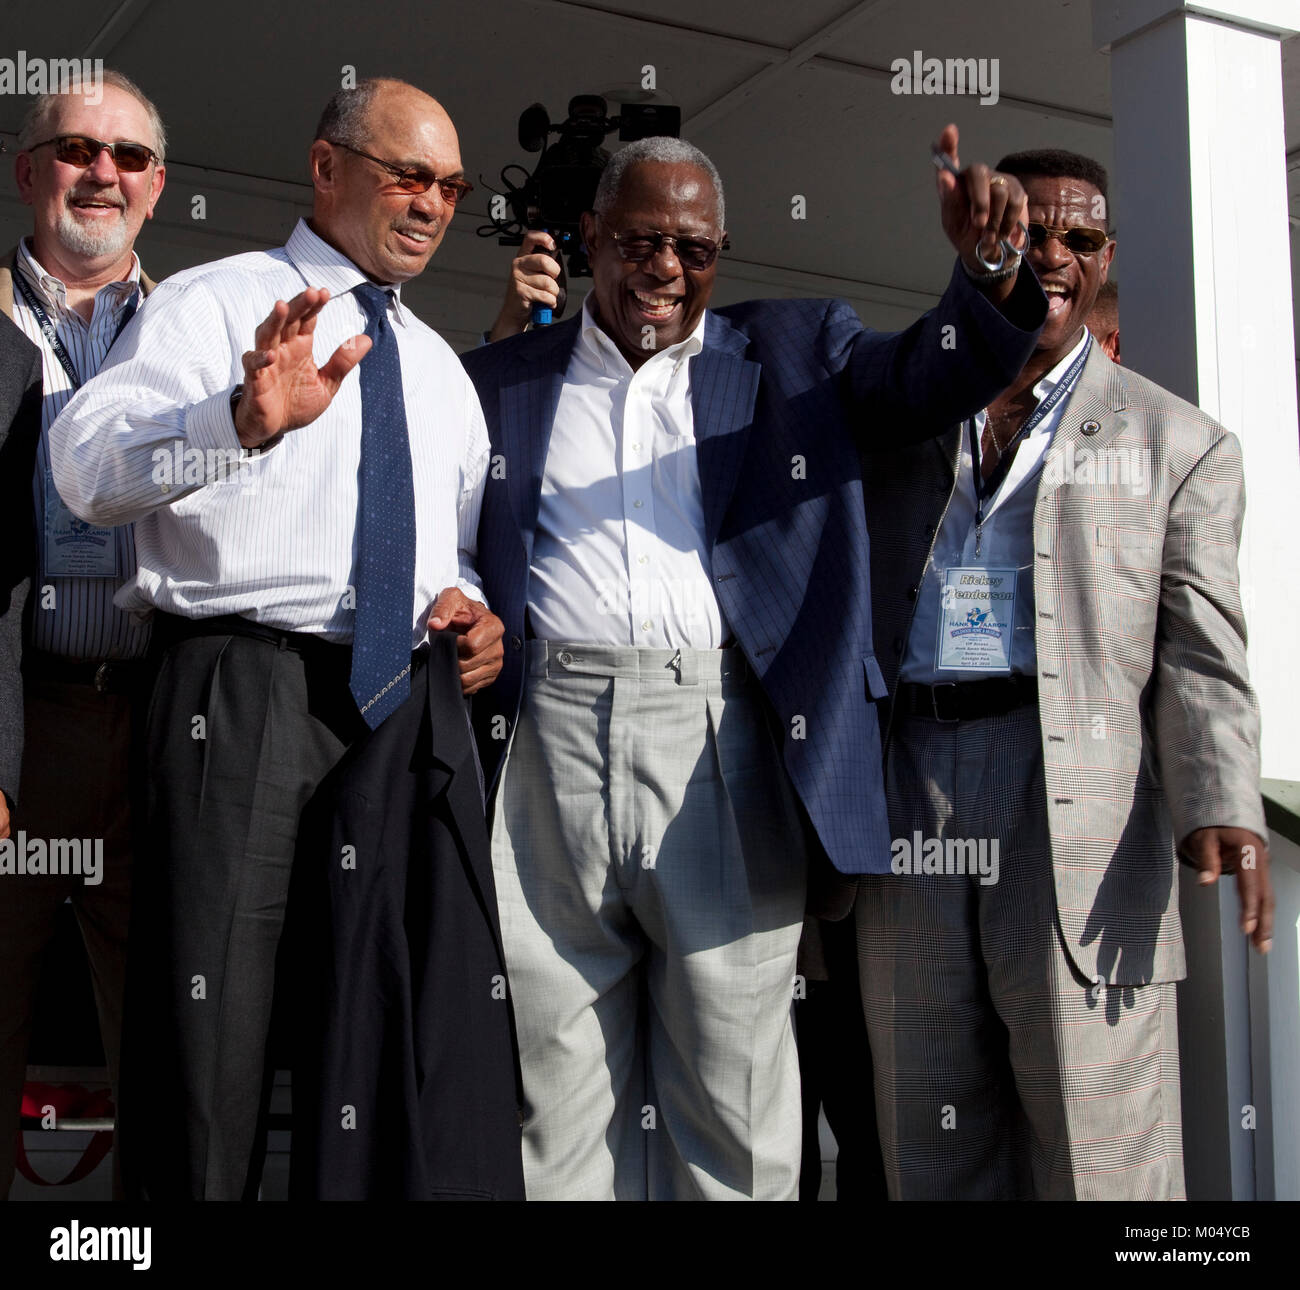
(20, 430)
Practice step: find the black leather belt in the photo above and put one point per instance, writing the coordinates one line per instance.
(108, 676)
(966, 700)
(169, 628)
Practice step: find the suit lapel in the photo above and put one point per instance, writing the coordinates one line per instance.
(1097, 402)
(947, 450)
(528, 404)
(724, 387)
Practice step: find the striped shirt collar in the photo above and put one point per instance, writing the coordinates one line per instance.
(55, 293)
(322, 265)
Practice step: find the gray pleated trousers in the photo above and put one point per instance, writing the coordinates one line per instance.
(650, 871)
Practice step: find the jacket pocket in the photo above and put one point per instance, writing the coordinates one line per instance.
(876, 687)
(1131, 546)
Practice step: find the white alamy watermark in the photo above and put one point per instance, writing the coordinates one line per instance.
(21, 856)
(952, 857)
(921, 75)
(1128, 469)
(78, 1244)
(183, 467)
(30, 76)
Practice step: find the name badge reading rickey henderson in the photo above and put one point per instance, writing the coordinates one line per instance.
(71, 547)
(977, 619)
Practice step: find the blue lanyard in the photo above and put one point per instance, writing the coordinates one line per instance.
(48, 330)
(985, 489)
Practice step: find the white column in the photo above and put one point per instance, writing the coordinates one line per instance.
(1204, 261)
(1204, 258)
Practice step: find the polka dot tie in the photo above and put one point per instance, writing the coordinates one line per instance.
(385, 565)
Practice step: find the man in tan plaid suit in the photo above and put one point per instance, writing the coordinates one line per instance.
(1057, 615)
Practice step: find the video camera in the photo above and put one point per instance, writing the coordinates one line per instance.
(563, 184)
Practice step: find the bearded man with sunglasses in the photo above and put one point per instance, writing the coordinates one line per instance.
(687, 711)
(1057, 612)
(298, 533)
(92, 174)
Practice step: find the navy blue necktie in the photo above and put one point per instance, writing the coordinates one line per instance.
(385, 577)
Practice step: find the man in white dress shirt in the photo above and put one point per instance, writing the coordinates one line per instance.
(693, 718)
(294, 526)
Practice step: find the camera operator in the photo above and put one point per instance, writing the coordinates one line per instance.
(536, 278)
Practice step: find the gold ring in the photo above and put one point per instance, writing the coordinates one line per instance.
(997, 179)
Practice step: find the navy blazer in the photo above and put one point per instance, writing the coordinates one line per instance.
(398, 982)
(782, 394)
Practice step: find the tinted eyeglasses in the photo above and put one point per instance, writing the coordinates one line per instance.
(694, 253)
(1079, 240)
(415, 179)
(82, 150)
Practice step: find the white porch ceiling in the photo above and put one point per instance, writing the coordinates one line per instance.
(786, 99)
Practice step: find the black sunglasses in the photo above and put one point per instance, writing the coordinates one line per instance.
(82, 150)
(1080, 240)
(694, 253)
(415, 179)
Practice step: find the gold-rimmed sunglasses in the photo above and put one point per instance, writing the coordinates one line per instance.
(1079, 239)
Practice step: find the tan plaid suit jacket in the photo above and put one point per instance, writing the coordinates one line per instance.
(1149, 725)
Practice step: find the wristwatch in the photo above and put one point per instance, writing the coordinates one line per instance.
(235, 395)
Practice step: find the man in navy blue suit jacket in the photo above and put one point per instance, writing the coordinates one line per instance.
(644, 842)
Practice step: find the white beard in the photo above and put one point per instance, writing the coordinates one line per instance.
(93, 240)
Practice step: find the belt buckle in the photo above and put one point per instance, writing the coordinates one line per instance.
(934, 703)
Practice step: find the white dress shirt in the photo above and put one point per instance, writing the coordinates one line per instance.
(79, 620)
(1006, 542)
(270, 535)
(619, 557)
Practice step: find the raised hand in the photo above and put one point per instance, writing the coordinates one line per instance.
(978, 206)
(283, 387)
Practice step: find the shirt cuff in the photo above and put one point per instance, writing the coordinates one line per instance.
(210, 425)
(472, 592)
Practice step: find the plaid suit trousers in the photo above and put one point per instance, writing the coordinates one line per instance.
(1001, 1072)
